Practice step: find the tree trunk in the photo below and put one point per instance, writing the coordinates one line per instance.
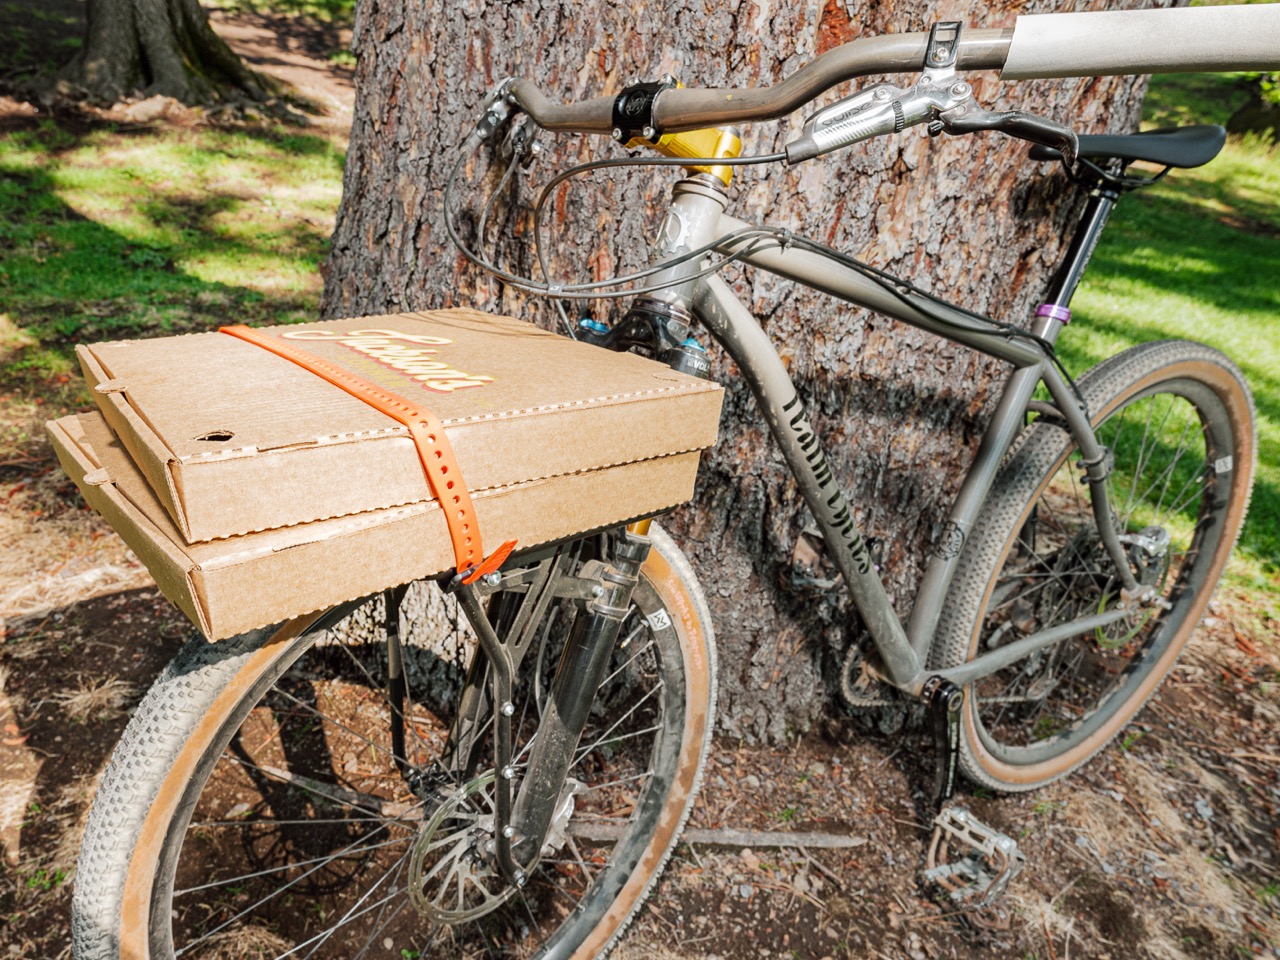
(156, 48)
(1261, 114)
(900, 411)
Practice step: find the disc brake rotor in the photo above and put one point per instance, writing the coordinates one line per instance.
(452, 874)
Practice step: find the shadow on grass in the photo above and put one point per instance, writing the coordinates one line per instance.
(1176, 246)
(66, 278)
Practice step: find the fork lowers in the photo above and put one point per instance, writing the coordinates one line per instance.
(581, 669)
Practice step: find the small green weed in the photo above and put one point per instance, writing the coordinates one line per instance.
(1130, 740)
(46, 880)
(1046, 726)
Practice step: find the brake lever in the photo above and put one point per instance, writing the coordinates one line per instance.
(497, 109)
(521, 142)
(971, 118)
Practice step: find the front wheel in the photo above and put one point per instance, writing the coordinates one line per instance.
(258, 807)
(1178, 419)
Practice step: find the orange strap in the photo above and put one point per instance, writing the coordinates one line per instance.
(434, 450)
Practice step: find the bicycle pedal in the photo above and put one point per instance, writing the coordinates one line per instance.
(970, 861)
(811, 568)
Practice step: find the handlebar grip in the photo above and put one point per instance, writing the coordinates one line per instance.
(1115, 42)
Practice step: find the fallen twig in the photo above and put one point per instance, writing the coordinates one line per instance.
(729, 837)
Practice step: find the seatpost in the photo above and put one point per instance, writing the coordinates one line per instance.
(1055, 312)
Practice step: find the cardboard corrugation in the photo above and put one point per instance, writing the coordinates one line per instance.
(235, 584)
(207, 418)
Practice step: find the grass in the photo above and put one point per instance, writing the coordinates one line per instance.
(1196, 256)
(337, 11)
(108, 234)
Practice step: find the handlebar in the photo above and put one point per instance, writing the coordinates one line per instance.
(693, 109)
(1100, 43)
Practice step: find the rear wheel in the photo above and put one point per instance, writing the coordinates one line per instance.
(254, 807)
(1178, 419)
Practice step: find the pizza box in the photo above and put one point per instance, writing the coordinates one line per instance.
(234, 439)
(234, 584)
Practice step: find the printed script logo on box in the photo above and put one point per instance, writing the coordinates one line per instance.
(414, 360)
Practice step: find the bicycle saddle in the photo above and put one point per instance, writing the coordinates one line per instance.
(1190, 146)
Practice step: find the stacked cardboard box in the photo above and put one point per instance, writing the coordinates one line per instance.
(254, 490)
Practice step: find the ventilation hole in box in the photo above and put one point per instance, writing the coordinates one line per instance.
(217, 436)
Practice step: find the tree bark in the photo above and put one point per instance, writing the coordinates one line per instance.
(156, 48)
(900, 411)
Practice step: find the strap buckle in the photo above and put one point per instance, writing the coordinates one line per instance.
(474, 572)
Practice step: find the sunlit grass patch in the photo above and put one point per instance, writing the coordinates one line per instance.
(116, 234)
(1198, 257)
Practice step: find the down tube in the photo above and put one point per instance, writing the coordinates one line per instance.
(737, 331)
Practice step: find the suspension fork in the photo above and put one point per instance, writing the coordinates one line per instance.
(582, 667)
(396, 687)
(522, 822)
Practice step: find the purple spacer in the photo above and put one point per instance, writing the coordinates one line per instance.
(1054, 312)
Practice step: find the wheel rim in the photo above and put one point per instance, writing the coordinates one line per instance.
(296, 793)
(1169, 443)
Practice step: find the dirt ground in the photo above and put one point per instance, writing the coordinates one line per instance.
(1166, 846)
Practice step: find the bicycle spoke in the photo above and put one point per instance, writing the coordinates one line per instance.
(318, 742)
(351, 913)
(380, 925)
(273, 894)
(332, 792)
(284, 823)
(632, 659)
(1171, 469)
(228, 881)
(341, 726)
(329, 933)
(1193, 488)
(373, 685)
(615, 783)
(636, 706)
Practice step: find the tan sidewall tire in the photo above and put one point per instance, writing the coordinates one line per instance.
(1176, 361)
(667, 581)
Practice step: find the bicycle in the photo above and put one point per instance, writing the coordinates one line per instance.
(519, 784)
